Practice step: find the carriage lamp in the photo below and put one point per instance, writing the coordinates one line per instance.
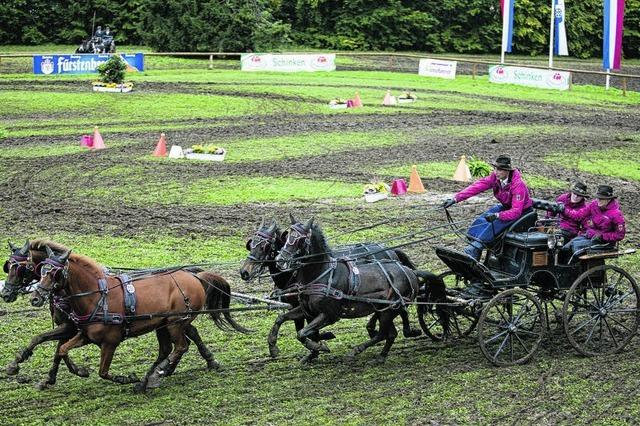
(551, 242)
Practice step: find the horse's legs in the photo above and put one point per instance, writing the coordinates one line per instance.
(371, 325)
(61, 332)
(296, 314)
(107, 349)
(386, 326)
(313, 327)
(392, 333)
(164, 349)
(192, 333)
(180, 346)
(407, 330)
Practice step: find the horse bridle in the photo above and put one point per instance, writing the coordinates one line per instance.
(300, 241)
(51, 266)
(23, 265)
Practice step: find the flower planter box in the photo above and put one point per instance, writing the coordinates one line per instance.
(406, 100)
(112, 88)
(205, 157)
(338, 106)
(375, 196)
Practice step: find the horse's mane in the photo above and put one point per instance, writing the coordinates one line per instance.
(318, 240)
(86, 261)
(40, 245)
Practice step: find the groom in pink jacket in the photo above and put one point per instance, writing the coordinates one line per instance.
(512, 193)
(605, 224)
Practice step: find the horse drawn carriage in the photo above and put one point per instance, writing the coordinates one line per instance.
(526, 281)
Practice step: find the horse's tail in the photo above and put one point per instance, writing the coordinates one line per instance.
(218, 299)
(404, 259)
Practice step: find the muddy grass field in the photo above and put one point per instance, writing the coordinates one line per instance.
(288, 152)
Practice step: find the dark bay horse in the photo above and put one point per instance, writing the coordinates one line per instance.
(100, 308)
(339, 288)
(263, 248)
(21, 269)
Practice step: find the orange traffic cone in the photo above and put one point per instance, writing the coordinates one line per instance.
(98, 143)
(462, 174)
(415, 183)
(161, 147)
(388, 99)
(357, 102)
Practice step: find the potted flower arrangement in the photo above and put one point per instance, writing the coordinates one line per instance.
(338, 103)
(407, 97)
(112, 76)
(375, 192)
(207, 152)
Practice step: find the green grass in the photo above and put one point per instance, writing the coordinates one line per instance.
(617, 162)
(227, 191)
(265, 149)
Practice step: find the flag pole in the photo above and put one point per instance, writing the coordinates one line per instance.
(608, 79)
(551, 33)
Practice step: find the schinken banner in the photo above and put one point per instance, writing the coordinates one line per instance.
(532, 77)
(287, 63)
(81, 64)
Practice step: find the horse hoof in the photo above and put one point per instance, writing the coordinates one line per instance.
(308, 358)
(213, 365)
(12, 369)
(327, 335)
(153, 381)
(380, 359)
(43, 385)
(82, 372)
(414, 332)
(322, 347)
(274, 351)
(140, 387)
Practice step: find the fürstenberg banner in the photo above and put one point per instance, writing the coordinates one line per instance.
(81, 64)
(437, 68)
(544, 79)
(287, 63)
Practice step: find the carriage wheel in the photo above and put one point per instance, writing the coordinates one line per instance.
(511, 327)
(460, 321)
(600, 311)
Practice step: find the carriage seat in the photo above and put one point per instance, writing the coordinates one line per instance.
(532, 240)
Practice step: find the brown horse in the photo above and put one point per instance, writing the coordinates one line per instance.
(21, 269)
(166, 303)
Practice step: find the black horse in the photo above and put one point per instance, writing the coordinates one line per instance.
(263, 248)
(339, 288)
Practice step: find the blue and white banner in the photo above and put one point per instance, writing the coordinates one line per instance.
(81, 64)
(508, 10)
(560, 37)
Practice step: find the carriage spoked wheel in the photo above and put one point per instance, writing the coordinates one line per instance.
(460, 321)
(511, 327)
(600, 311)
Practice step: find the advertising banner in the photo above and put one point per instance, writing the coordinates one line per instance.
(532, 77)
(437, 68)
(81, 64)
(287, 63)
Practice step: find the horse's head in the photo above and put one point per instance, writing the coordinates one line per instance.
(297, 244)
(262, 247)
(20, 272)
(53, 276)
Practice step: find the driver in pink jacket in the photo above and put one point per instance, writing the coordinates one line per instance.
(512, 193)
